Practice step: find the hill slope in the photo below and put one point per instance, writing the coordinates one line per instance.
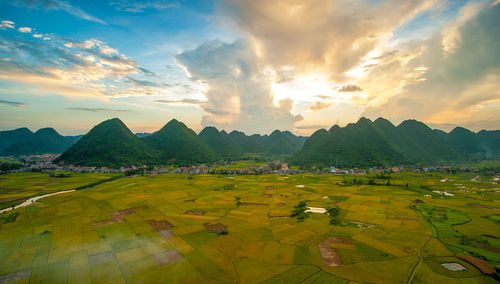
(110, 144)
(219, 143)
(175, 143)
(9, 137)
(44, 141)
(378, 143)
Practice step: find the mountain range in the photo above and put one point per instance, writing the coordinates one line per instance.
(380, 143)
(112, 144)
(365, 143)
(24, 142)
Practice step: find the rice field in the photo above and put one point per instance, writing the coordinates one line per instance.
(214, 229)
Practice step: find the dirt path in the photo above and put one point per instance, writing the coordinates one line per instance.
(410, 278)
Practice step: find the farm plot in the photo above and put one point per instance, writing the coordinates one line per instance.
(197, 229)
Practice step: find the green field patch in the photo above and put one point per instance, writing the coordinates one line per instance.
(349, 256)
(206, 267)
(324, 277)
(60, 230)
(200, 238)
(251, 270)
(435, 264)
(369, 253)
(126, 245)
(294, 275)
(278, 253)
(19, 259)
(54, 272)
(106, 271)
(10, 218)
(79, 269)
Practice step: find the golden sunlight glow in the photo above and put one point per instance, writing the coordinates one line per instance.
(303, 88)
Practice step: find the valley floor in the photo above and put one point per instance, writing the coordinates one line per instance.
(208, 228)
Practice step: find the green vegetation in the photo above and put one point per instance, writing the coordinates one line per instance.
(9, 137)
(333, 213)
(176, 144)
(110, 144)
(141, 229)
(20, 186)
(43, 141)
(380, 143)
(8, 165)
(299, 211)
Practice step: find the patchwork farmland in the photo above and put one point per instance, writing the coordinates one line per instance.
(215, 229)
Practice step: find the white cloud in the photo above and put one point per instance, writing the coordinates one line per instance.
(25, 29)
(452, 36)
(461, 87)
(73, 68)
(238, 96)
(6, 25)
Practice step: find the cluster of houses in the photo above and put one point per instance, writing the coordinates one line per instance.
(45, 163)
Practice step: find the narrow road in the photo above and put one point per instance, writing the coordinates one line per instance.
(410, 278)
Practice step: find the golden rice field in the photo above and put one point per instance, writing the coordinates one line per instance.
(219, 229)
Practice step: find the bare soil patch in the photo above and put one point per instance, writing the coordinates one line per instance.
(253, 204)
(339, 240)
(215, 228)
(198, 213)
(101, 257)
(418, 201)
(488, 247)
(482, 265)
(15, 276)
(119, 216)
(190, 200)
(269, 187)
(161, 225)
(329, 255)
(280, 204)
(267, 195)
(167, 257)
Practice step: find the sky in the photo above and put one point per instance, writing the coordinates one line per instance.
(253, 66)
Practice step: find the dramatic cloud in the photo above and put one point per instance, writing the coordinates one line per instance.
(238, 96)
(11, 103)
(323, 36)
(319, 106)
(97, 109)
(350, 88)
(134, 6)
(462, 86)
(451, 34)
(58, 5)
(73, 68)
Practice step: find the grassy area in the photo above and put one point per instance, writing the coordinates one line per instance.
(18, 186)
(141, 229)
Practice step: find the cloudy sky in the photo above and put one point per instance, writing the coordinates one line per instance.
(253, 65)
